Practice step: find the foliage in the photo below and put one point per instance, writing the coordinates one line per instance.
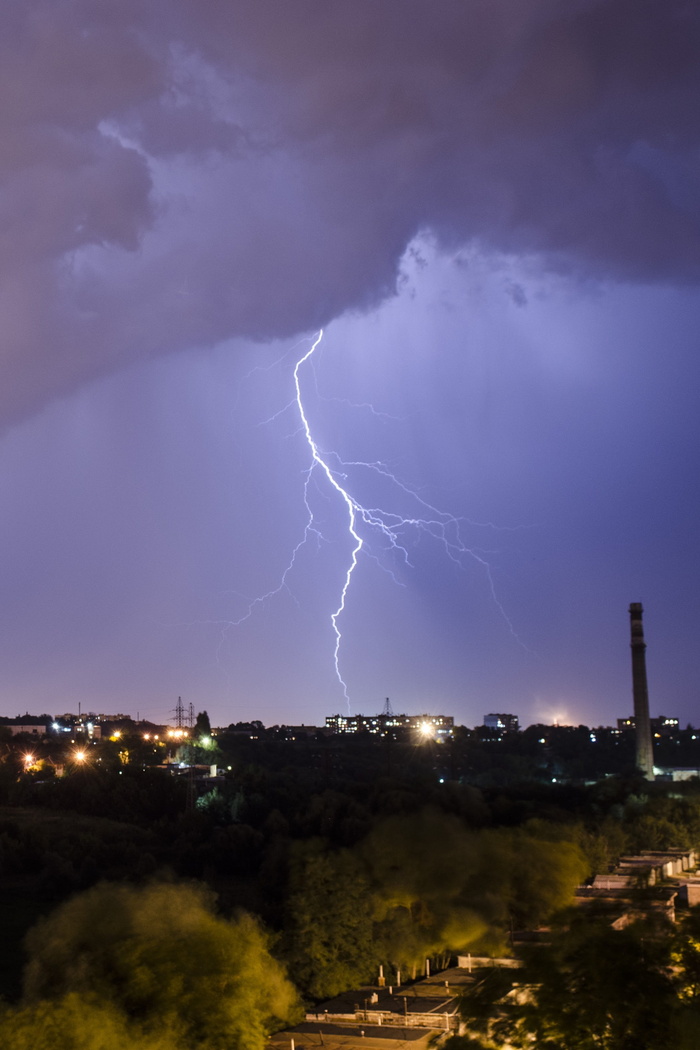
(442, 887)
(72, 1023)
(459, 1042)
(535, 872)
(419, 885)
(593, 988)
(685, 955)
(329, 927)
(162, 957)
(420, 867)
(351, 872)
(202, 727)
(139, 796)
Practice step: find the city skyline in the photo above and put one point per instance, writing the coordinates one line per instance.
(428, 723)
(492, 214)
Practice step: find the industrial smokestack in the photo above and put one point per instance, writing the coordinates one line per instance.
(640, 691)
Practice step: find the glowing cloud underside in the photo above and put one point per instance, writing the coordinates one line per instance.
(362, 521)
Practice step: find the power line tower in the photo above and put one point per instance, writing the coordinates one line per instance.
(191, 791)
(387, 709)
(183, 721)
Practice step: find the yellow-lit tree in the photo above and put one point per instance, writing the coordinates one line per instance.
(160, 957)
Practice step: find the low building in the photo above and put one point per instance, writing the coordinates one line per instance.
(667, 875)
(30, 730)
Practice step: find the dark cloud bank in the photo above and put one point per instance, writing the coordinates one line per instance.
(177, 173)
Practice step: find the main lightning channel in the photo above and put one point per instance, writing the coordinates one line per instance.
(440, 526)
(352, 508)
(390, 526)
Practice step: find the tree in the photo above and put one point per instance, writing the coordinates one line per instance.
(533, 871)
(420, 866)
(330, 926)
(442, 887)
(202, 726)
(685, 956)
(71, 1024)
(593, 988)
(163, 958)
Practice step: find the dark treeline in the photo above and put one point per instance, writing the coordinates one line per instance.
(483, 757)
(281, 818)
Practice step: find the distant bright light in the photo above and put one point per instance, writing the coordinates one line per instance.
(206, 741)
(79, 756)
(426, 729)
(29, 760)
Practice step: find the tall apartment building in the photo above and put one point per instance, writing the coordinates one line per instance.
(503, 723)
(437, 726)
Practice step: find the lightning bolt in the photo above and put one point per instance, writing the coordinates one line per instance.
(352, 507)
(441, 526)
(365, 521)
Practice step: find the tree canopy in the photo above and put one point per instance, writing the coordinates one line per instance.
(419, 885)
(161, 957)
(330, 923)
(594, 987)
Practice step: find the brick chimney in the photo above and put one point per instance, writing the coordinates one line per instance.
(640, 691)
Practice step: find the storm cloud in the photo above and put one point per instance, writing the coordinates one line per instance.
(177, 174)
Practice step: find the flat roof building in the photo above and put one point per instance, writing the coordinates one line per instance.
(502, 722)
(438, 726)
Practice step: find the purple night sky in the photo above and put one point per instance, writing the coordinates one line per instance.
(492, 210)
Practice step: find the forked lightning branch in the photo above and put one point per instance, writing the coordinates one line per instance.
(389, 527)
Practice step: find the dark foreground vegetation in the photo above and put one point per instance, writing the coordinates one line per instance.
(202, 919)
(593, 987)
